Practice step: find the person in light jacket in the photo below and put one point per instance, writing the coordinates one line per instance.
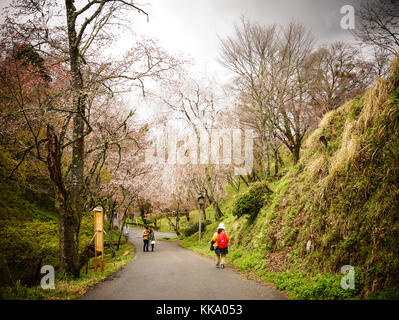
(125, 232)
(152, 239)
(220, 242)
(146, 237)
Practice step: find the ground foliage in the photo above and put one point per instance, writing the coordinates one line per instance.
(342, 199)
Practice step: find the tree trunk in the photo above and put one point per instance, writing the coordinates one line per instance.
(266, 159)
(295, 152)
(255, 176)
(173, 226)
(120, 236)
(69, 234)
(177, 222)
(68, 221)
(234, 185)
(142, 215)
(280, 160)
(218, 212)
(245, 181)
(204, 213)
(187, 214)
(275, 162)
(70, 224)
(110, 231)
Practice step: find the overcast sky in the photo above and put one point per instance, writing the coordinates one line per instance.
(193, 26)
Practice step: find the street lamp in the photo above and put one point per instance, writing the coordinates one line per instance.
(201, 200)
(201, 203)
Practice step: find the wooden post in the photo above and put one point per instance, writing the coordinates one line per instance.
(95, 243)
(199, 224)
(201, 203)
(99, 236)
(95, 260)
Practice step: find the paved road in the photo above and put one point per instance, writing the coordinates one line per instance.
(174, 273)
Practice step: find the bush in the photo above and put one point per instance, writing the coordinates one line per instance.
(252, 200)
(321, 287)
(24, 244)
(194, 228)
(246, 261)
(389, 294)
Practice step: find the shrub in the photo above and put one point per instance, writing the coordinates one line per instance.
(24, 244)
(321, 287)
(247, 261)
(252, 200)
(389, 294)
(194, 228)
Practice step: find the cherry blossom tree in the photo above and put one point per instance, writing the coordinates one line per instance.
(72, 37)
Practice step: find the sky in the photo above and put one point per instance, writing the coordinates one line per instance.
(194, 27)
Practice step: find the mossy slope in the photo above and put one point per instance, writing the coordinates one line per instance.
(343, 198)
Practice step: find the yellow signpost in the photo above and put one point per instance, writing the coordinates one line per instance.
(99, 236)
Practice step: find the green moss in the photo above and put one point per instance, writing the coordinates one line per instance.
(250, 202)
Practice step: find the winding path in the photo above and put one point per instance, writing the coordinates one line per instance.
(175, 273)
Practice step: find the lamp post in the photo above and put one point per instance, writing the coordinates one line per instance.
(201, 202)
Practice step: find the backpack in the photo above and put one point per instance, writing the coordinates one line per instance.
(222, 240)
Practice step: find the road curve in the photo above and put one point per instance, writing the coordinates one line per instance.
(174, 273)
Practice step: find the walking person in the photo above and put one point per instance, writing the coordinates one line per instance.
(146, 238)
(125, 232)
(152, 239)
(220, 242)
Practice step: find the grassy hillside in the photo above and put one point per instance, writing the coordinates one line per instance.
(28, 223)
(344, 199)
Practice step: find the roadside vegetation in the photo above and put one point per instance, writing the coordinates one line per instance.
(69, 288)
(317, 189)
(29, 233)
(341, 199)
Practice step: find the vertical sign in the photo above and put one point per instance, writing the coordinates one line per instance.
(99, 236)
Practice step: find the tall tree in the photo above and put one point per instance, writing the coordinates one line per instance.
(73, 36)
(270, 64)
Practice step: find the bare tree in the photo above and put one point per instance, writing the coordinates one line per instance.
(378, 24)
(337, 76)
(197, 106)
(272, 77)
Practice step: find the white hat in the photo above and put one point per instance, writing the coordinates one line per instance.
(221, 226)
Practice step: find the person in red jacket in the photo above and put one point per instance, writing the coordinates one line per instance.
(220, 241)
